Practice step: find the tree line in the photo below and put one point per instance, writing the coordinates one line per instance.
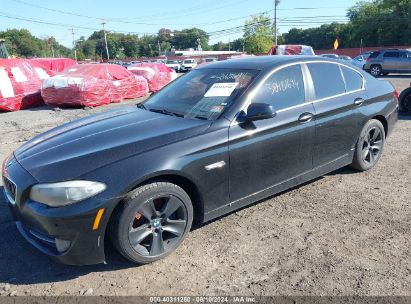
(21, 43)
(375, 23)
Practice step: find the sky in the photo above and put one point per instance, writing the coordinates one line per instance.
(45, 18)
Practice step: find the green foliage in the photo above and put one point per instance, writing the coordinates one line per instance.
(220, 46)
(382, 22)
(238, 45)
(377, 23)
(21, 43)
(258, 35)
(148, 46)
(187, 38)
(322, 37)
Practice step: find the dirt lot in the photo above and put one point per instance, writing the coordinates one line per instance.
(346, 233)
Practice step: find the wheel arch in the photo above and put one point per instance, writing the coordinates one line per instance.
(384, 122)
(180, 180)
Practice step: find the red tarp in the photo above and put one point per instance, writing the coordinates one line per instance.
(20, 83)
(291, 50)
(55, 64)
(157, 74)
(92, 85)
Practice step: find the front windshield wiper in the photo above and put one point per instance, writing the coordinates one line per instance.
(167, 112)
(141, 106)
(201, 117)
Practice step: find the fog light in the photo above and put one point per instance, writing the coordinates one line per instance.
(62, 245)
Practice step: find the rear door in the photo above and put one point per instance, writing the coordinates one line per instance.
(391, 61)
(336, 105)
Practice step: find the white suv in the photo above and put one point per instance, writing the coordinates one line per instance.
(173, 64)
(188, 64)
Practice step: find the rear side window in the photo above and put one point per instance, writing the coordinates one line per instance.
(374, 55)
(327, 79)
(391, 54)
(283, 89)
(353, 80)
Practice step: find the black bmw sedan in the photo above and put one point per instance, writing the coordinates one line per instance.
(217, 139)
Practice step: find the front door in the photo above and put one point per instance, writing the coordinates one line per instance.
(405, 62)
(268, 152)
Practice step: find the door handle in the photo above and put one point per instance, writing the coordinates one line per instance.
(358, 101)
(305, 117)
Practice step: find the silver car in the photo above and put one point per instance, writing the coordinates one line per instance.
(360, 60)
(388, 61)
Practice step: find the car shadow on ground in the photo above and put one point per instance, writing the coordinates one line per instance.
(404, 116)
(20, 263)
(198, 225)
(390, 76)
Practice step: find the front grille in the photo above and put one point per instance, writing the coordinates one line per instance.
(10, 188)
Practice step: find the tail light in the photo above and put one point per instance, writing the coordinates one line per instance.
(368, 58)
(397, 96)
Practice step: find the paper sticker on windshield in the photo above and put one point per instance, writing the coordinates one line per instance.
(217, 109)
(221, 89)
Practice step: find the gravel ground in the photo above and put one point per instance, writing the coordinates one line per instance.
(346, 233)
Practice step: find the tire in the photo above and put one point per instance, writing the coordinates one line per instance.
(375, 70)
(370, 146)
(405, 101)
(151, 222)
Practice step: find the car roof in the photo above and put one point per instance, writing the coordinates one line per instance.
(263, 62)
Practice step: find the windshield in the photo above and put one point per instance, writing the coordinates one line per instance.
(171, 61)
(210, 60)
(188, 61)
(201, 94)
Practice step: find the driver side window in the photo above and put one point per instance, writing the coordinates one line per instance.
(283, 89)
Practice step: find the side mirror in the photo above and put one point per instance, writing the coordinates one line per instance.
(257, 111)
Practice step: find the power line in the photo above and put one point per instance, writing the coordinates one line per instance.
(124, 20)
(214, 33)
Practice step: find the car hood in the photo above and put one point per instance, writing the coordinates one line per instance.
(84, 145)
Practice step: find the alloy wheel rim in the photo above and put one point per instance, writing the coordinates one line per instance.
(158, 226)
(372, 145)
(375, 71)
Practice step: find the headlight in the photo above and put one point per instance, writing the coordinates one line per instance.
(65, 193)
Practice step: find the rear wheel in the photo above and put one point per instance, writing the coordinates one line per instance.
(375, 70)
(369, 146)
(152, 222)
(405, 101)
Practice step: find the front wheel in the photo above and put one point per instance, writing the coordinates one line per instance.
(151, 222)
(369, 146)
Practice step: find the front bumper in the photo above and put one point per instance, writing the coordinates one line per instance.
(65, 233)
(186, 68)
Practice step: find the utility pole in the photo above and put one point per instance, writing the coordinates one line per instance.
(276, 3)
(74, 45)
(159, 47)
(105, 40)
